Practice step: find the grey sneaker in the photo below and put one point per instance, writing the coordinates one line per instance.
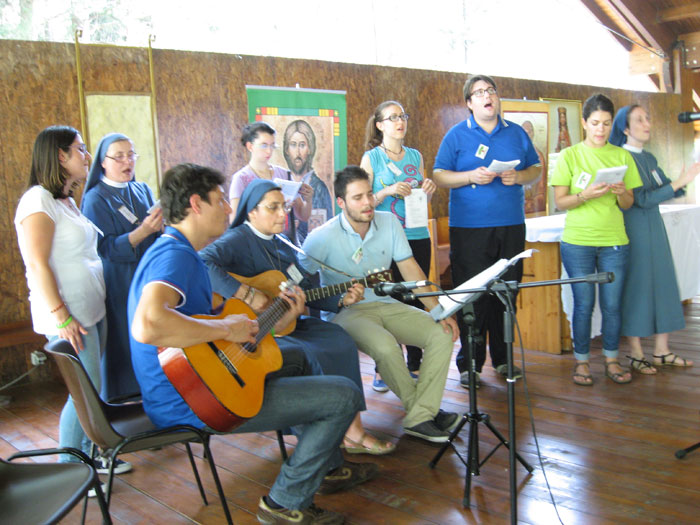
(446, 421)
(429, 431)
(464, 379)
(503, 370)
(311, 514)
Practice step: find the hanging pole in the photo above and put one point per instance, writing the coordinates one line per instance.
(81, 92)
(154, 118)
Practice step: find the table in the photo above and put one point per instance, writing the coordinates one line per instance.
(543, 311)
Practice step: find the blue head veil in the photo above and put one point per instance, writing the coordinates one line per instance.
(251, 197)
(617, 135)
(96, 170)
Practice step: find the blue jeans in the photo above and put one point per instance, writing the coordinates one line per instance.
(580, 261)
(70, 433)
(321, 409)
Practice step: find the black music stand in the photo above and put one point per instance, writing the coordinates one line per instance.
(506, 292)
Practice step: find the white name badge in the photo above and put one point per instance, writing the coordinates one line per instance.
(657, 177)
(482, 151)
(294, 273)
(357, 256)
(583, 180)
(393, 168)
(126, 212)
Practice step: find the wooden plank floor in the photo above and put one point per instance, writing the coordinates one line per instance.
(608, 453)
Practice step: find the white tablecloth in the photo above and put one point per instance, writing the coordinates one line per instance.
(682, 223)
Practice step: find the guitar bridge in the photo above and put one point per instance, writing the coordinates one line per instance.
(228, 364)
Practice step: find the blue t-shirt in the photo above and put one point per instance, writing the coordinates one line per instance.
(338, 245)
(172, 261)
(407, 170)
(466, 147)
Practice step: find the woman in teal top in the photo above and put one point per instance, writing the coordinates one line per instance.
(651, 303)
(394, 171)
(594, 238)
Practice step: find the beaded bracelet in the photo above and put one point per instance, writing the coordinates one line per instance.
(57, 308)
(65, 323)
(247, 293)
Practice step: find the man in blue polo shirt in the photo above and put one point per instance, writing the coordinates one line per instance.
(360, 241)
(487, 218)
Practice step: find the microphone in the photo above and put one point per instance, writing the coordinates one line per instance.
(688, 116)
(600, 278)
(398, 288)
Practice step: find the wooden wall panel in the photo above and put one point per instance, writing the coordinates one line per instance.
(201, 106)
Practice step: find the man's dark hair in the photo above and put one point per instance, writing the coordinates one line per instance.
(598, 102)
(473, 79)
(180, 183)
(346, 176)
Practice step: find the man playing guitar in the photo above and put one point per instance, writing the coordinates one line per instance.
(170, 286)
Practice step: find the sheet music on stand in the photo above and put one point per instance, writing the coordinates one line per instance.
(449, 304)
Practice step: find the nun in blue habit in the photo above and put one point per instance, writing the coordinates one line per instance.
(651, 303)
(251, 246)
(118, 205)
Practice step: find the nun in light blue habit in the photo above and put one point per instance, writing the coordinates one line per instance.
(651, 303)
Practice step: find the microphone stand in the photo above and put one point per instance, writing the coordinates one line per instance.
(505, 291)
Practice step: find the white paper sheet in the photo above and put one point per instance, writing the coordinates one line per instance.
(290, 188)
(450, 304)
(416, 209)
(499, 166)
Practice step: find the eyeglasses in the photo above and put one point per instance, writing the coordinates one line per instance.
(82, 148)
(122, 158)
(276, 207)
(396, 118)
(264, 146)
(481, 92)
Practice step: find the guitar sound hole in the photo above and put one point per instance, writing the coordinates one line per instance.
(227, 363)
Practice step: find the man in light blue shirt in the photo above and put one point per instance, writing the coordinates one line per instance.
(360, 241)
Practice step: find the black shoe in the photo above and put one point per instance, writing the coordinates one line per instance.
(429, 431)
(464, 379)
(503, 370)
(446, 421)
(311, 514)
(348, 475)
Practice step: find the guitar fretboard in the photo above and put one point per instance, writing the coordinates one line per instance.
(267, 320)
(333, 289)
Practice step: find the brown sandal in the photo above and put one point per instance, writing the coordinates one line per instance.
(641, 365)
(378, 448)
(582, 379)
(671, 359)
(616, 377)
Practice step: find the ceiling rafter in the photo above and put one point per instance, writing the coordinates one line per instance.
(607, 21)
(642, 16)
(682, 12)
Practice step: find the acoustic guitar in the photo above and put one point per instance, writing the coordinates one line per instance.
(223, 382)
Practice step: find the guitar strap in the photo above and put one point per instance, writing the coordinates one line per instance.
(322, 264)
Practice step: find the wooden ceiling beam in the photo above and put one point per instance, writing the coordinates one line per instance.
(682, 12)
(642, 15)
(604, 19)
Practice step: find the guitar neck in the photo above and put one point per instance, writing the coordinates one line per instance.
(333, 289)
(268, 319)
